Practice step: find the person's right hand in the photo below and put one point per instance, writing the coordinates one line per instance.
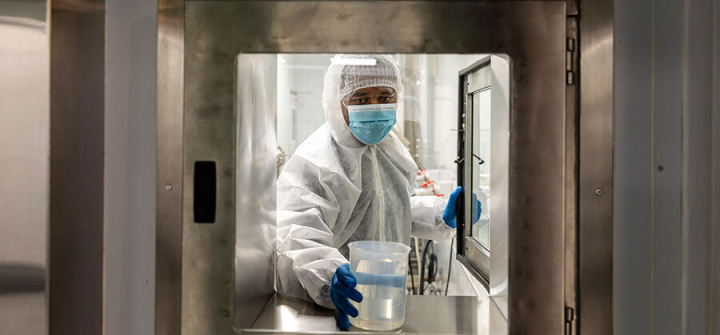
(450, 214)
(342, 288)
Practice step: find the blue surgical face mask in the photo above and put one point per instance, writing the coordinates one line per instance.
(371, 123)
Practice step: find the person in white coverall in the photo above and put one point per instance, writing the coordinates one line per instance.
(351, 180)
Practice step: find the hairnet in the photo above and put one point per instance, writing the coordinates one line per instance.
(358, 76)
(349, 73)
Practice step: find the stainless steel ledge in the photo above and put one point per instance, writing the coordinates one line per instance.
(423, 315)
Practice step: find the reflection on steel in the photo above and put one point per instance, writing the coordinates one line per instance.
(255, 191)
(24, 166)
(20, 278)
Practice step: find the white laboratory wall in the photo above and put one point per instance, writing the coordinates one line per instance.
(666, 182)
(430, 99)
(130, 136)
(300, 88)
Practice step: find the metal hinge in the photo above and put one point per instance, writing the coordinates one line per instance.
(569, 319)
(570, 61)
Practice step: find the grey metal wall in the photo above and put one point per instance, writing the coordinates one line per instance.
(666, 191)
(701, 169)
(24, 165)
(648, 167)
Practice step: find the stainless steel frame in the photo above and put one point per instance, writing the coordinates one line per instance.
(198, 43)
(595, 191)
(571, 177)
(169, 191)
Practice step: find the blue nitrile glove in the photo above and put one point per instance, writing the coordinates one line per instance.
(450, 214)
(342, 287)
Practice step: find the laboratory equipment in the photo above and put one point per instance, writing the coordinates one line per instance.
(381, 272)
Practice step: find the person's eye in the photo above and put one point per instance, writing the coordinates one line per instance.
(360, 101)
(385, 99)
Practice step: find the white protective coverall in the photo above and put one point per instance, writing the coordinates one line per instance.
(335, 190)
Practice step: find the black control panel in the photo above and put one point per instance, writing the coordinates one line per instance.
(204, 192)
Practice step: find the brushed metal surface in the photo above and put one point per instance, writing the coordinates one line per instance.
(595, 207)
(255, 191)
(423, 315)
(169, 187)
(77, 143)
(24, 166)
(531, 33)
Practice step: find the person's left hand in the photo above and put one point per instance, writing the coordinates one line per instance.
(450, 214)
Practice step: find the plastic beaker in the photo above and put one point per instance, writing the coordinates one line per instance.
(381, 272)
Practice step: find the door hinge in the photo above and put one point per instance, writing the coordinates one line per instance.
(569, 319)
(570, 62)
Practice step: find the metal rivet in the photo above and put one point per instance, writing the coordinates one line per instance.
(168, 188)
(598, 191)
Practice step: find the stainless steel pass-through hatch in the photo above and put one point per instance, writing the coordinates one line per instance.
(216, 278)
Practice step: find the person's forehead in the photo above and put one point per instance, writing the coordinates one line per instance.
(375, 89)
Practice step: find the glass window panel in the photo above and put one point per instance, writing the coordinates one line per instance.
(481, 105)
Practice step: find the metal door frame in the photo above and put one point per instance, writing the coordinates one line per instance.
(489, 264)
(470, 253)
(197, 45)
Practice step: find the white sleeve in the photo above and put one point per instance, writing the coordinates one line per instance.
(306, 259)
(427, 222)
